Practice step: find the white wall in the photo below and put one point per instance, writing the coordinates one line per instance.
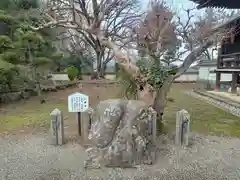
(59, 77)
(110, 77)
(204, 74)
(187, 77)
(182, 78)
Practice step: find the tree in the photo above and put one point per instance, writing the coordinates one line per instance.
(22, 49)
(195, 28)
(152, 79)
(119, 17)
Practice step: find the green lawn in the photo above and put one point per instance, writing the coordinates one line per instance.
(204, 117)
(30, 113)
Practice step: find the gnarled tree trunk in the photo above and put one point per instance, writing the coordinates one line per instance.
(155, 98)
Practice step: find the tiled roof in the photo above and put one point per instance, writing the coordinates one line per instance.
(227, 22)
(229, 4)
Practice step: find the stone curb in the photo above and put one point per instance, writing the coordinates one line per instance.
(218, 98)
(219, 104)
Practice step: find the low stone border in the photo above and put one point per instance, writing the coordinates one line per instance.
(184, 82)
(17, 96)
(99, 82)
(218, 98)
(225, 106)
(59, 86)
(26, 94)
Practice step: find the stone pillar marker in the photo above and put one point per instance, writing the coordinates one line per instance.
(86, 125)
(238, 91)
(57, 127)
(153, 131)
(182, 128)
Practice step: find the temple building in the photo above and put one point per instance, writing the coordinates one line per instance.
(228, 60)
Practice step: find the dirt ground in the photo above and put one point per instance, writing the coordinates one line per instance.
(96, 94)
(31, 116)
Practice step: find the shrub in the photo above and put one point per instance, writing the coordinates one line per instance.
(72, 72)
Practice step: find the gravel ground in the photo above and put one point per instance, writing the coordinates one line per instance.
(222, 105)
(32, 158)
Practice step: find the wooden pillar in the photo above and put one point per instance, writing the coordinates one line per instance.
(218, 79)
(234, 82)
(238, 78)
(218, 74)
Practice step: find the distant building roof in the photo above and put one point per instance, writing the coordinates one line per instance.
(229, 4)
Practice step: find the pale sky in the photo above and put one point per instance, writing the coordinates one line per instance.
(177, 5)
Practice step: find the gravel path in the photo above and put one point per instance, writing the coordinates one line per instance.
(32, 158)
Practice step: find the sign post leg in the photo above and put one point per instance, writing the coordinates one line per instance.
(90, 123)
(79, 123)
(56, 129)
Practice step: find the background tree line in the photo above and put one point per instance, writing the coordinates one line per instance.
(26, 56)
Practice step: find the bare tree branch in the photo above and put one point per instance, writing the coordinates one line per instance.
(192, 57)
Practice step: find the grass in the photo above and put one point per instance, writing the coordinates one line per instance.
(204, 117)
(31, 113)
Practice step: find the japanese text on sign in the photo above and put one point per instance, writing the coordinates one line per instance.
(77, 102)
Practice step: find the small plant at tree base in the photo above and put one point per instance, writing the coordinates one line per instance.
(72, 72)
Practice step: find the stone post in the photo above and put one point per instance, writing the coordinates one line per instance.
(238, 91)
(182, 128)
(154, 135)
(86, 124)
(154, 126)
(57, 127)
